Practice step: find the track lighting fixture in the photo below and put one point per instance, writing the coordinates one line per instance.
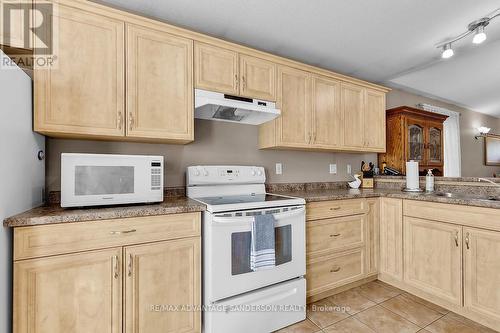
(447, 51)
(479, 35)
(477, 28)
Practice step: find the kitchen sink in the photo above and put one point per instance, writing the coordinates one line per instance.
(465, 196)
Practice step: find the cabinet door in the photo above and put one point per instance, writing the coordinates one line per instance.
(294, 100)
(374, 120)
(83, 94)
(373, 235)
(415, 139)
(13, 35)
(258, 78)
(69, 293)
(159, 85)
(391, 238)
(216, 69)
(433, 258)
(328, 126)
(482, 272)
(160, 276)
(353, 110)
(434, 144)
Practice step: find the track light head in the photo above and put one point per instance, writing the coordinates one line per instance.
(479, 35)
(447, 51)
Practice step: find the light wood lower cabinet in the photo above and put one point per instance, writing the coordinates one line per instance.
(373, 235)
(84, 291)
(339, 244)
(69, 293)
(149, 286)
(482, 272)
(391, 238)
(433, 258)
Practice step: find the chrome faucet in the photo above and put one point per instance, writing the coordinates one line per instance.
(489, 181)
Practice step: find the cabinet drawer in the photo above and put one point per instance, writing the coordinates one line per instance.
(336, 208)
(332, 271)
(479, 217)
(45, 240)
(335, 233)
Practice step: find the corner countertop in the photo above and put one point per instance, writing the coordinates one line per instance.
(52, 214)
(339, 194)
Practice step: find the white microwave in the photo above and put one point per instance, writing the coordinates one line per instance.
(101, 179)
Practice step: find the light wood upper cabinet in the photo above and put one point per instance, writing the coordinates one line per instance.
(159, 85)
(163, 274)
(482, 272)
(328, 129)
(353, 106)
(391, 238)
(433, 258)
(83, 95)
(258, 78)
(69, 293)
(294, 100)
(374, 119)
(14, 35)
(216, 69)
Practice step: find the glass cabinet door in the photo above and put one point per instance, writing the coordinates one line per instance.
(415, 142)
(435, 150)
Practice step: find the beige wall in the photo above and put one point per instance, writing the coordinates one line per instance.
(472, 149)
(226, 143)
(216, 143)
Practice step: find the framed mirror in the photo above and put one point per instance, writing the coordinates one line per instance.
(492, 150)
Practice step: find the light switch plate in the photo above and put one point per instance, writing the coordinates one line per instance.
(333, 169)
(279, 169)
(349, 169)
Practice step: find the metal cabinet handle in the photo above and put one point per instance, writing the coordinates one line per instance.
(120, 120)
(122, 232)
(456, 238)
(467, 240)
(236, 79)
(334, 235)
(129, 266)
(115, 267)
(335, 269)
(335, 208)
(243, 82)
(130, 120)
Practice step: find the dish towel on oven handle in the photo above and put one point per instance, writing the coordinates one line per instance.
(262, 254)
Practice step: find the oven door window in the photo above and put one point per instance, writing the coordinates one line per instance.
(241, 245)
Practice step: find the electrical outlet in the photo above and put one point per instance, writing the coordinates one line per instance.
(349, 169)
(279, 169)
(333, 169)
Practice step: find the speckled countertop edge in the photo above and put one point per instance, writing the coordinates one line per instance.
(53, 214)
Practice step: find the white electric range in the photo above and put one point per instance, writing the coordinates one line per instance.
(236, 298)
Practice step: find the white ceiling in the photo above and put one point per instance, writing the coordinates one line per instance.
(389, 41)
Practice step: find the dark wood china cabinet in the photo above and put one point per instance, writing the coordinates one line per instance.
(414, 134)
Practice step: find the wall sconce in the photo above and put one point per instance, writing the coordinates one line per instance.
(483, 131)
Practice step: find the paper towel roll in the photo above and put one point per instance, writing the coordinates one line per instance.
(412, 175)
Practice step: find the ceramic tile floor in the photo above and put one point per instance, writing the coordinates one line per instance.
(377, 307)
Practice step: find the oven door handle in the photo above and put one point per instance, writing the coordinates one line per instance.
(249, 219)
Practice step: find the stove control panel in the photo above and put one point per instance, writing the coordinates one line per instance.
(224, 174)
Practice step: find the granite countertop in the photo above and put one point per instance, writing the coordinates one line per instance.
(173, 205)
(55, 214)
(339, 194)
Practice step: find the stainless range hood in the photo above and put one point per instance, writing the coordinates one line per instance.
(222, 107)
